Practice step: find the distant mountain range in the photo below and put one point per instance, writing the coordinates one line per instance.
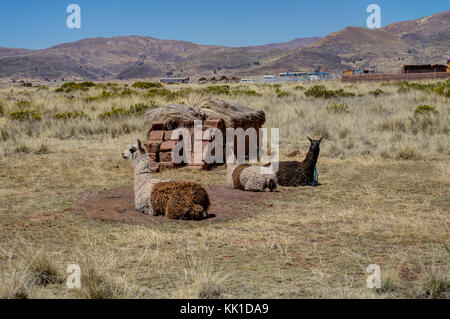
(425, 40)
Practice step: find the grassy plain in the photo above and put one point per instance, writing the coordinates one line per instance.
(384, 198)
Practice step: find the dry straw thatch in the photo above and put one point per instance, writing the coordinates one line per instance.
(234, 115)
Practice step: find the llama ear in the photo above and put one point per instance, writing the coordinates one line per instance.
(309, 139)
(139, 145)
(321, 139)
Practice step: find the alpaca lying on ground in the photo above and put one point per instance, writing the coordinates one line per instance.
(249, 178)
(293, 173)
(173, 199)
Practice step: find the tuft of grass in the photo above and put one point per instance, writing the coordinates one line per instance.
(200, 282)
(281, 93)
(23, 104)
(146, 85)
(338, 108)
(70, 115)
(72, 86)
(15, 284)
(407, 153)
(434, 284)
(43, 149)
(425, 110)
(439, 88)
(389, 283)
(22, 149)
(320, 91)
(377, 92)
(44, 271)
(25, 115)
(120, 112)
(95, 285)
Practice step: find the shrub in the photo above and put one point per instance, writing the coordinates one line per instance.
(146, 85)
(440, 88)
(424, 110)
(216, 89)
(43, 88)
(25, 115)
(393, 125)
(103, 96)
(283, 94)
(70, 115)
(72, 86)
(139, 109)
(299, 87)
(43, 149)
(403, 89)
(407, 154)
(321, 91)
(22, 149)
(248, 92)
(136, 109)
(167, 94)
(376, 92)
(23, 104)
(114, 113)
(127, 92)
(2, 110)
(338, 108)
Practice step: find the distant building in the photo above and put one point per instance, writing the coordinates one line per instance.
(292, 74)
(174, 80)
(423, 68)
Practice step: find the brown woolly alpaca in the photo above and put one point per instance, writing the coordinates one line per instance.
(293, 173)
(180, 200)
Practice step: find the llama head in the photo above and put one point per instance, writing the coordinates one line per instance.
(134, 152)
(315, 144)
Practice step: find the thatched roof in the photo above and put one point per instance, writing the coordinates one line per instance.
(234, 115)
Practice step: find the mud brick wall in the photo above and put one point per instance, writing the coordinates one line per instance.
(394, 77)
(160, 144)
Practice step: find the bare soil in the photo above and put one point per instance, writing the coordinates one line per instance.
(117, 204)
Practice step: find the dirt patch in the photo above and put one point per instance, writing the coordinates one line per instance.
(44, 218)
(118, 205)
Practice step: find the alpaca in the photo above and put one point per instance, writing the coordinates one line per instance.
(249, 178)
(293, 173)
(173, 199)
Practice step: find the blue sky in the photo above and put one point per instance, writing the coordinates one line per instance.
(37, 24)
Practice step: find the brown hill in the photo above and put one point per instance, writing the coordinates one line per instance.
(425, 40)
(47, 67)
(290, 45)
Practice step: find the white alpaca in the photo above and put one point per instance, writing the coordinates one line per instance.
(143, 178)
(173, 199)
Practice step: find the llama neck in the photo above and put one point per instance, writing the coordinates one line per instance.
(311, 157)
(142, 182)
(142, 166)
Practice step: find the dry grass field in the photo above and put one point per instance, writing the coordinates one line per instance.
(383, 199)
